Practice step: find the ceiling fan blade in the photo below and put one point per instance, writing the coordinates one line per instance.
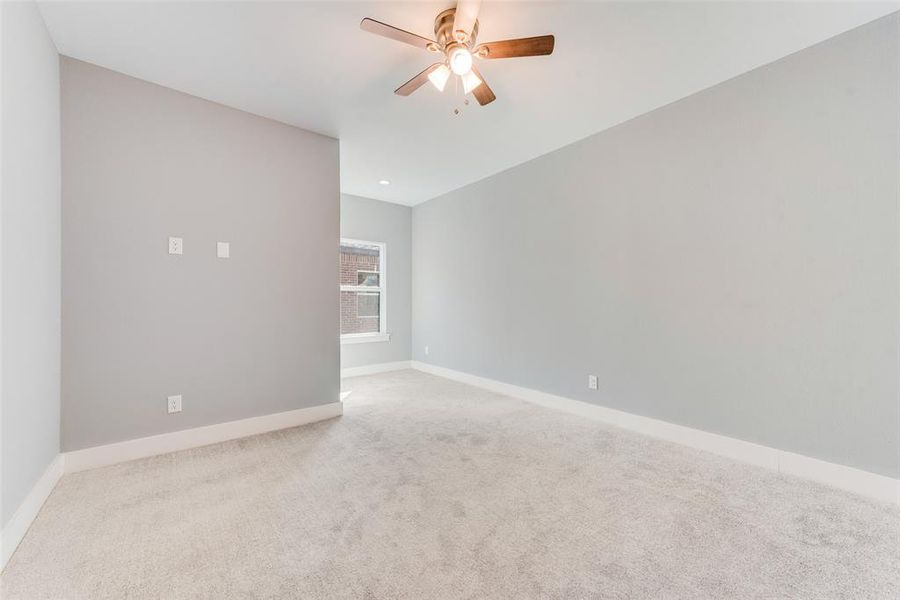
(416, 82)
(388, 31)
(464, 18)
(483, 93)
(533, 46)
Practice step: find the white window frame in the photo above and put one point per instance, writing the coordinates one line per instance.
(382, 334)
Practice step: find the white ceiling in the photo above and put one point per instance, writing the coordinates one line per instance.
(309, 64)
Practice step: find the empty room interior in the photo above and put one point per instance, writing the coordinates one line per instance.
(450, 300)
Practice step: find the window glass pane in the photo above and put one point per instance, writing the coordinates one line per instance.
(367, 278)
(367, 304)
(360, 265)
(360, 312)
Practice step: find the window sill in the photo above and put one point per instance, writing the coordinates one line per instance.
(363, 338)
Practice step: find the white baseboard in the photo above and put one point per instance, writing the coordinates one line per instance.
(379, 368)
(109, 454)
(100, 456)
(21, 520)
(873, 485)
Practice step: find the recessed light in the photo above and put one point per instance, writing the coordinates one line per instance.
(384, 182)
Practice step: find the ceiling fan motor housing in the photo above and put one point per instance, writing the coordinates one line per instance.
(443, 31)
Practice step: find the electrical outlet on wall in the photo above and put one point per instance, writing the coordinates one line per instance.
(426, 350)
(174, 404)
(176, 245)
(592, 382)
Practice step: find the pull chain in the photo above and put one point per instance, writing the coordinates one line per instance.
(456, 110)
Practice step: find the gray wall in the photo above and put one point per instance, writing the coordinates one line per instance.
(728, 262)
(30, 252)
(376, 221)
(247, 336)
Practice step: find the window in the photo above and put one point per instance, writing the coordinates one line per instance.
(363, 292)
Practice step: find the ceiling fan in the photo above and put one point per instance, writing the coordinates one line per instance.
(456, 30)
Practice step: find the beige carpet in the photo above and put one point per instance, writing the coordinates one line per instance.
(427, 488)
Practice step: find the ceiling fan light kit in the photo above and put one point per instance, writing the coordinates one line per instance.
(439, 77)
(460, 60)
(456, 30)
(470, 81)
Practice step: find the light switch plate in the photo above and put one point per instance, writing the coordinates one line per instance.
(174, 404)
(176, 245)
(223, 249)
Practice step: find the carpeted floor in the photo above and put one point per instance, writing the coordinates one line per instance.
(428, 488)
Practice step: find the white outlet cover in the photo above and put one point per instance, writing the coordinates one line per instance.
(174, 404)
(426, 350)
(176, 245)
(592, 382)
(223, 249)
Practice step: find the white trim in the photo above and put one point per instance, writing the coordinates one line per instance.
(873, 485)
(365, 338)
(99, 456)
(24, 516)
(379, 368)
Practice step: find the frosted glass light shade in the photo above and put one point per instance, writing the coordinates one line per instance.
(470, 81)
(460, 61)
(439, 77)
